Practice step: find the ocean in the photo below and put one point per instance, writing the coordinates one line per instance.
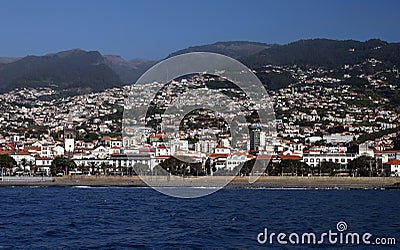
(141, 218)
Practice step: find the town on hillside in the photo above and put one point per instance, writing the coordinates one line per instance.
(325, 124)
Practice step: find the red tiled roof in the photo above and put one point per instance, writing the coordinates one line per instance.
(265, 157)
(240, 154)
(80, 148)
(393, 162)
(163, 157)
(43, 158)
(386, 151)
(290, 157)
(146, 150)
(214, 155)
(33, 148)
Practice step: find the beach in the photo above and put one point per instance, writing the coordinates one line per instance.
(209, 181)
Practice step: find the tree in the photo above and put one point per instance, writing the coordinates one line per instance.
(93, 168)
(104, 167)
(7, 162)
(208, 166)
(62, 164)
(294, 167)
(363, 166)
(177, 167)
(24, 164)
(397, 144)
(141, 168)
(328, 167)
(32, 166)
(245, 168)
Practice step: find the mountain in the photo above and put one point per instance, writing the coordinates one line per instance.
(128, 71)
(77, 71)
(5, 60)
(72, 71)
(234, 49)
(326, 53)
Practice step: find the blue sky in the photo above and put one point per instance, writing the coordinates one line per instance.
(153, 29)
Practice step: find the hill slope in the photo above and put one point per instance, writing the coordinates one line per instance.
(128, 71)
(326, 53)
(74, 71)
(234, 49)
(77, 71)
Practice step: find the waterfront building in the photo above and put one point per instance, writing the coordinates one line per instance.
(313, 159)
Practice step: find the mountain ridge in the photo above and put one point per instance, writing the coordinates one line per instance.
(77, 70)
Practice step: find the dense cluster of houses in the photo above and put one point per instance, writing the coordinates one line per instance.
(314, 123)
(37, 156)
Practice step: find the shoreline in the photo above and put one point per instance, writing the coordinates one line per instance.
(312, 182)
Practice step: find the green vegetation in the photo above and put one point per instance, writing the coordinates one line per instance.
(62, 164)
(70, 71)
(275, 81)
(373, 136)
(7, 162)
(178, 167)
(364, 166)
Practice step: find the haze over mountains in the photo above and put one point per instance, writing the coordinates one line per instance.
(77, 71)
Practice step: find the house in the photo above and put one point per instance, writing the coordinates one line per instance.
(58, 150)
(43, 164)
(114, 150)
(163, 150)
(100, 152)
(314, 159)
(19, 157)
(220, 156)
(392, 167)
(235, 159)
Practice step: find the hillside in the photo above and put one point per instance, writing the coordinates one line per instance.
(128, 71)
(326, 53)
(78, 71)
(74, 71)
(234, 49)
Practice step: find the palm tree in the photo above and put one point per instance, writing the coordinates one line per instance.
(93, 168)
(81, 167)
(32, 167)
(104, 167)
(24, 163)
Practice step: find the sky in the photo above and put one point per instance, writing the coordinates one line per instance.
(152, 29)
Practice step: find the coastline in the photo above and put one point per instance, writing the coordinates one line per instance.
(210, 181)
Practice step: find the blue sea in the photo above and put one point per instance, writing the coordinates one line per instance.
(141, 218)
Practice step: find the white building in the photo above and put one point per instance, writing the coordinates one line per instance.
(19, 157)
(205, 146)
(236, 159)
(314, 159)
(100, 152)
(393, 167)
(163, 150)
